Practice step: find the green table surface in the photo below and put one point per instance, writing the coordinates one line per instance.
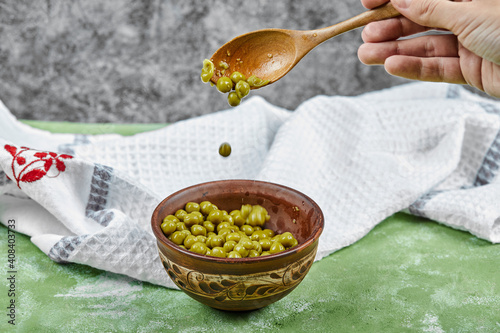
(408, 274)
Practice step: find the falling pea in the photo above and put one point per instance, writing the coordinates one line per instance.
(225, 149)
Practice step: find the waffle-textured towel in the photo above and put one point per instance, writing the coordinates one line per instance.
(430, 149)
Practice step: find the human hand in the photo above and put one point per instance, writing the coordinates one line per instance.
(469, 55)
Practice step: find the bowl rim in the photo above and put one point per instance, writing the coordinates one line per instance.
(314, 237)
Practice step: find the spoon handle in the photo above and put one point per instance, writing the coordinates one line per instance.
(377, 14)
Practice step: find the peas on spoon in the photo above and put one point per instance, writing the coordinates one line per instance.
(269, 54)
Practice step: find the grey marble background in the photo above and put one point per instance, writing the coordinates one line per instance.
(139, 61)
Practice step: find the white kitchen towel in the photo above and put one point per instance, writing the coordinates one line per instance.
(429, 149)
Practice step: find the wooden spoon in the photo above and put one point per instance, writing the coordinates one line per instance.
(269, 54)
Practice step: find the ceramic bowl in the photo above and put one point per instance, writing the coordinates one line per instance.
(245, 283)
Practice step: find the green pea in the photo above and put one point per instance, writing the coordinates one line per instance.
(207, 71)
(237, 77)
(198, 230)
(257, 247)
(237, 218)
(265, 244)
(178, 237)
(225, 149)
(229, 246)
(224, 84)
(234, 236)
(247, 229)
(218, 252)
(215, 241)
(168, 227)
(199, 214)
(276, 238)
(257, 216)
(257, 235)
(234, 254)
(233, 99)
(256, 82)
(287, 239)
(253, 254)
(245, 210)
(215, 216)
(189, 241)
(242, 88)
(180, 214)
(224, 232)
(234, 228)
(209, 226)
(241, 250)
(246, 243)
(192, 219)
(277, 247)
(201, 239)
(223, 225)
(206, 207)
(170, 218)
(181, 226)
(192, 207)
(200, 248)
(270, 233)
(228, 218)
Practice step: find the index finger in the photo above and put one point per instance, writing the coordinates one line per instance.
(373, 3)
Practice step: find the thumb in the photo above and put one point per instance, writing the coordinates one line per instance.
(430, 13)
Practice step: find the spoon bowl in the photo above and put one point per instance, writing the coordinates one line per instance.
(270, 54)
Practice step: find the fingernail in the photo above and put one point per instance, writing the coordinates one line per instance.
(402, 3)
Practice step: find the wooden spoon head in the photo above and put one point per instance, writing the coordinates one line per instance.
(268, 54)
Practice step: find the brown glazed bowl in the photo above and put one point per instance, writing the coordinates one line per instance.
(242, 284)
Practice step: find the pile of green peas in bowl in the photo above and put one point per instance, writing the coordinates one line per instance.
(205, 229)
(236, 84)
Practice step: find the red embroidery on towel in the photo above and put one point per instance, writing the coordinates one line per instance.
(29, 165)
